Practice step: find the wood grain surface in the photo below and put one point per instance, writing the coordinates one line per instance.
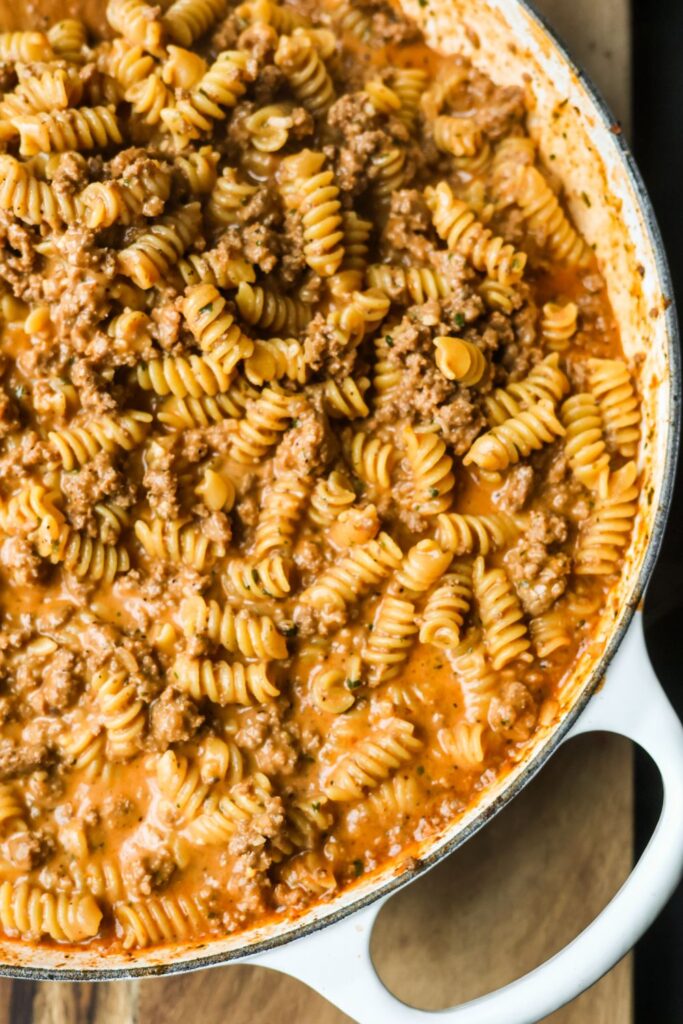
(511, 897)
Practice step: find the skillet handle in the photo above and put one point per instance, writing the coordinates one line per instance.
(336, 961)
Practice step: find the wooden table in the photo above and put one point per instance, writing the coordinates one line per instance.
(512, 897)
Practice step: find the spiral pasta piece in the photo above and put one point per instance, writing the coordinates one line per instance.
(388, 172)
(10, 805)
(431, 468)
(329, 498)
(478, 682)
(505, 632)
(266, 418)
(515, 438)
(363, 567)
(408, 284)
(350, 19)
(187, 413)
(465, 534)
(584, 443)
(156, 250)
(409, 84)
(269, 126)
(24, 47)
(558, 325)
(122, 713)
(240, 632)
(319, 209)
(541, 209)
(423, 564)
(29, 912)
(608, 529)
(550, 633)
(215, 93)
(393, 631)
(458, 136)
(263, 307)
(266, 12)
(447, 607)
(68, 39)
(345, 400)
(458, 226)
(545, 382)
(110, 202)
(76, 445)
(282, 505)
(128, 64)
(176, 375)
(350, 275)
(136, 21)
(213, 327)
(460, 360)
(277, 359)
(464, 744)
(610, 382)
(372, 459)
(268, 578)
(222, 683)
(181, 786)
(225, 815)
(332, 688)
(61, 130)
(186, 20)
(177, 541)
(32, 506)
(229, 196)
(195, 174)
(306, 73)
(158, 919)
(80, 555)
(372, 761)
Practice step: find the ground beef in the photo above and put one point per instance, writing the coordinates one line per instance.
(516, 491)
(16, 760)
(28, 850)
(62, 682)
(325, 346)
(460, 421)
(173, 718)
(272, 742)
(497, 107)
(96, 481)
(91, 395)
(513, 712)
(309, 559)
(19, 559)
(407, 227)
(145, 872)
(539, 575)
(161, 482)
(308, 446)
(361, 135)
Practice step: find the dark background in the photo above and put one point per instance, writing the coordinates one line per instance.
(658, 144)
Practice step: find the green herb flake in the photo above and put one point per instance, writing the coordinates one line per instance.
(316, 806)
(586, 200)
(389, 340)
(353, 684)
(459, 319)
(420, 769)
(207, 308)
(433, 492)
(358, 868)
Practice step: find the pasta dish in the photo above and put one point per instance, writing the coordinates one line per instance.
(318, 458)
